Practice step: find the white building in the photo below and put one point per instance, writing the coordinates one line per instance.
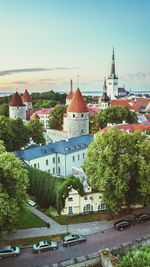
(76, 204)
(112, 80)
(27, 100)
(57, 158)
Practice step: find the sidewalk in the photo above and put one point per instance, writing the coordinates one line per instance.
(55, 228)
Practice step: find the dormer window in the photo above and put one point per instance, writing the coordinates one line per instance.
(82, 115)
(73, 115)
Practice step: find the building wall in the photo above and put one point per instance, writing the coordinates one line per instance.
(76, 124)
(57, 135)
(112, 87)
(28, 105)
(17, 112)
(76, 204)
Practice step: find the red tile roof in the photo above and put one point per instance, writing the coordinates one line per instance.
(70, 95)
(16, 101)
(44, 111)
(77, 104)
(129, 127)
(26, 97)
(120, 102)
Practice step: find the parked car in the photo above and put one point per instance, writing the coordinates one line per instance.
(142, 217)
(73, 239)
(44, 246)
(9, 251)
(122, 224)
(31, 203)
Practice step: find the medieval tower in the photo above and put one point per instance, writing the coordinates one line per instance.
(112, 80)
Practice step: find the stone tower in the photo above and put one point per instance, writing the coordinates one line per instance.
(16, 107)
(70, 95)
(27, 100)
(76, 121)
(112, 80)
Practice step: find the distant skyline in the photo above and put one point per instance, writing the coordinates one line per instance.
(45, 43)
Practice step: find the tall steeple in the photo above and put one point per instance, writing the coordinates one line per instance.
(70, 94)
(112, 71)
(112, 80)
(104, 99)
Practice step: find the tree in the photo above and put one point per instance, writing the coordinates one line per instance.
(20, 134)
(13, 187)
(115, 114)
(4, 109)
(6, 134)
(113, 164)
(93, 123)
(56, 117)
(36, 131)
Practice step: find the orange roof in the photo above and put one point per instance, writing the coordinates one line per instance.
(128, 127)
(26, 97)
(77, 104)
(70, 95)
(120, 102)
(16, 101)
(34, 116)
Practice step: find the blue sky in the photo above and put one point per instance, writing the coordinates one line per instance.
(45, 43)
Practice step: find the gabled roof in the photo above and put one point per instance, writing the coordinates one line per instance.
(26, 97)
(77, 104)
(34, 116)
(70, 95)
(63, 147)
(16, 101)
(121, 103)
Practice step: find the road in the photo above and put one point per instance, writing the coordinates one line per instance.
(107, 239)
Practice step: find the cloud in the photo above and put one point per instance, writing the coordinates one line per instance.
(139, 75)
(13, 71)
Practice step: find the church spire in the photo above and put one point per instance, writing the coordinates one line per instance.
(112, 71)
(105, 97)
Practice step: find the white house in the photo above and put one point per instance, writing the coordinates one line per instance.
(57, 158)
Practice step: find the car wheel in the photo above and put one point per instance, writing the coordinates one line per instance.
(121, 229)
(141, 221)
(39, 251)
(54, 248)
(15, 255)
(68, 245)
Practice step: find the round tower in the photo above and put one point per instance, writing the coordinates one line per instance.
(112, 80)
(76, 122)
(27, 100)
(70, 95)
(16, 107)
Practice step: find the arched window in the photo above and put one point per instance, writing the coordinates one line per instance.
(88, 207)
(102, 206)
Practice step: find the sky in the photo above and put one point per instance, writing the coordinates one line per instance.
(45, 43)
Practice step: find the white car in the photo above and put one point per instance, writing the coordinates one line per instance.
(31, 203)
(9, 251)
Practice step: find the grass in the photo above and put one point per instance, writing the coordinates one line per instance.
(95, 216)
(30, 220)
(27, 242)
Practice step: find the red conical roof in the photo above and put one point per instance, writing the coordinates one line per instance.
(77, 104)
(16, 101)
(26, 97)
(70, 95)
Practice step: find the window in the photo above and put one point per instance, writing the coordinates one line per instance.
(73, 115)
(58, 159)
(85, 198)
(53, 170)
(81, 115)
(34, 165)
(70, 199)
(78, 157)
(102, 206)
(100, 197)
(70, 210)
(38, 165)
(88, 207)
(53, 160)
(73, 158)
(91, 198)
(46, 162)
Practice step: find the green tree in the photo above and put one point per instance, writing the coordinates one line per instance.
(93, 123)
(4, 109)
(13, 186)
(115, 114)
(56, 117)
(20, 134)
(36, 131)
(6, 134)
(112, 165)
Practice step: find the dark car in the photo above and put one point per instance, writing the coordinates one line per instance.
(9, 251)
(73, 239)
(122, 224)
(142, 217)
(44, 246)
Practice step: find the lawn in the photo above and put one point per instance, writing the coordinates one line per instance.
(30, 220)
